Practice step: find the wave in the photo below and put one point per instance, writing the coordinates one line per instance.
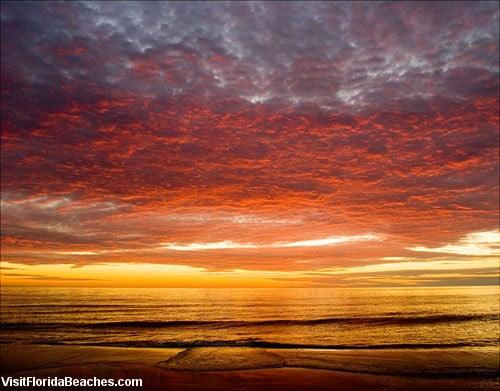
(63, 306)
(375, 321)
(256, 343)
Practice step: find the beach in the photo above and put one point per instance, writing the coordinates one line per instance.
(262, 369)
(294, 339)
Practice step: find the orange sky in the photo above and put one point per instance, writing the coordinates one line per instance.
(246, 144)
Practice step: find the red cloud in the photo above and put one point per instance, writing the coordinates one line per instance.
(201, 132)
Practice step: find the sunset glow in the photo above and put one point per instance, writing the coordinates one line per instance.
(248, 144)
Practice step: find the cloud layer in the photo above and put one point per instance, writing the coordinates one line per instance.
(126, 126)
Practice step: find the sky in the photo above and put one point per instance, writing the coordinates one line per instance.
(249, 144)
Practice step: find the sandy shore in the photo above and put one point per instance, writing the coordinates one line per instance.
(262, 369)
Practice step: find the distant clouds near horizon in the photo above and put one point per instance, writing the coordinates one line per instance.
(272, 143)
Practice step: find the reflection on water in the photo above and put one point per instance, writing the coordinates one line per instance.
(316, 317)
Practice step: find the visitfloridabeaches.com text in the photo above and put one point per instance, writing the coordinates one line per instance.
(68, 381)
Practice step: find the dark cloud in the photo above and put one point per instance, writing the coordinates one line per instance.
(46, 278)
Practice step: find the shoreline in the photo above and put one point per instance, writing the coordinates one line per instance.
(262, 369)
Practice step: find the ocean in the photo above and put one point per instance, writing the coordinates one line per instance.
(317, 318)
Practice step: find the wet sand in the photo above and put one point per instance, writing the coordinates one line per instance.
(262, 369)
